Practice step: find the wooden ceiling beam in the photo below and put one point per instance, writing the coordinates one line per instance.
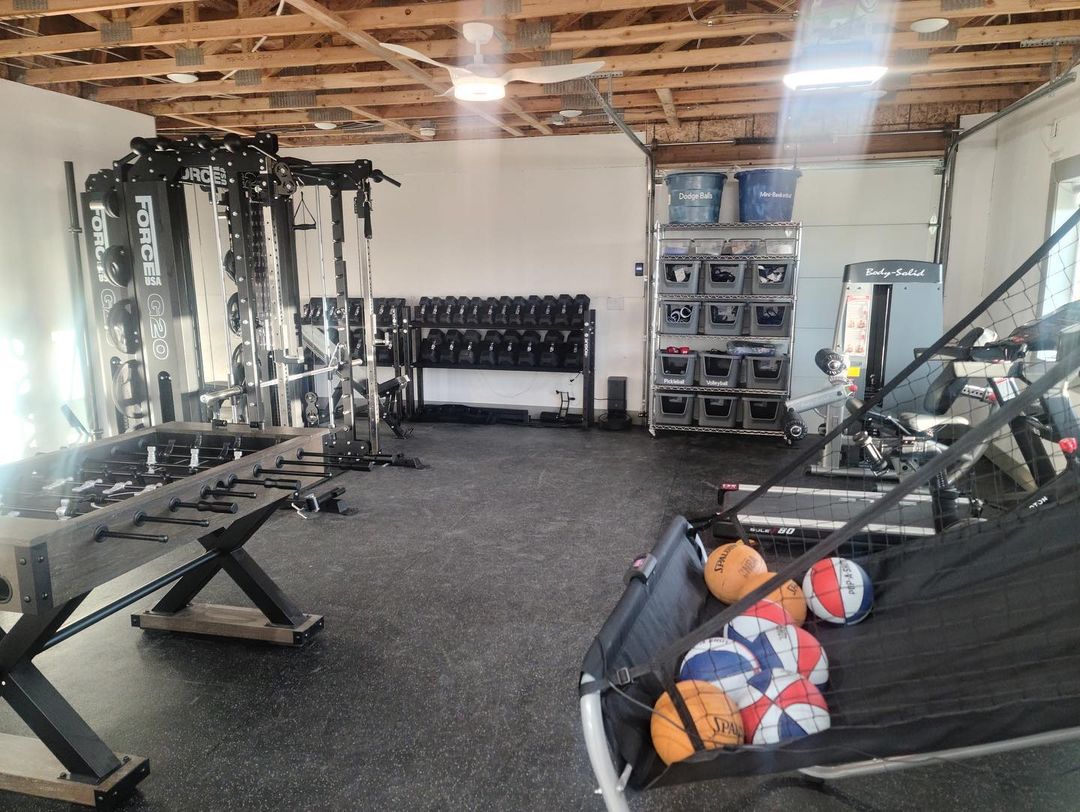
(396, 126)
(667, 101)
(377, 18)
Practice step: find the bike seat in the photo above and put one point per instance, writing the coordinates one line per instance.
(925, 423)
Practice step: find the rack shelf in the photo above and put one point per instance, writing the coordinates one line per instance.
(496, 327)
(658, 338)
(498, 368)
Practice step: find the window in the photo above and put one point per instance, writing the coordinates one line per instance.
(1062, 284)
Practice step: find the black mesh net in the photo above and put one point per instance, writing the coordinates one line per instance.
(926, 601)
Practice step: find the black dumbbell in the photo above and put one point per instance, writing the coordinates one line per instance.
(473, 311)
(580, 314)
(551, 350)
(563, 310)
(502, 312)
(423, 310)
(532, 311)
(529, 350)
(488, 312)
(508, 349)
(470, 348)
(489, 348)
(547, 312)
(460, 310)
(431, 347)
(517, 312)
(451, 347)
(446, 312)
(384, 353)
(573, 352)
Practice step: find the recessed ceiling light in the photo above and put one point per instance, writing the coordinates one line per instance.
(929, 25)
(427, 131)
(182, 78)
(326, 125)
(570, 113)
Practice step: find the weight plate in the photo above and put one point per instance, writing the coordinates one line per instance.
(234, 314)
(122, 327)
(116, 265)
(228, 264)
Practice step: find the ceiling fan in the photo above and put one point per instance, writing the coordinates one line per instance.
(478, 81)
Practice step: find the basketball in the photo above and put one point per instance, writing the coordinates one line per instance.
(759, 618)
(725, 663)
(782, 706)
(728, 567)
(787, 595)
(789, 648)
(838, 591)
(716, 718)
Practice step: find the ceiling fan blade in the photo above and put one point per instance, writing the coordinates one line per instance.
(415, 55)
(552, 74)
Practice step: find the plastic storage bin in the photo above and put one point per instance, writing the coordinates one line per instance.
(718, 369)
(724, 276)
(767, 373)
(680, 318)
(676, 248)
(675, 368)
(712, 248)
(767, 195)
(762, 413)
(770, 319)
(724, 318)
(720, 412)
(673, 410)
(694, 197)
(679, 275)
(775, 276)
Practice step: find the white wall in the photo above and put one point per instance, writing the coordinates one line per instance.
(850, 213)
(515, 217)
(38, 132)
(1001, 194)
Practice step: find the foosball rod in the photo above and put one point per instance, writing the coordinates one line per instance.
(358, 465)
(122, 603)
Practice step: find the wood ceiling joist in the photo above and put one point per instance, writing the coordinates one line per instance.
(378, 18)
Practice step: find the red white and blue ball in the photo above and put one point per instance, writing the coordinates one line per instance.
(779, 706)
(838, 591)
(789, 648)
(758, 619)
(725, 663)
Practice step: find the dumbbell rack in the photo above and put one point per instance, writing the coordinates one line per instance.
(658, 338)
(587, 370)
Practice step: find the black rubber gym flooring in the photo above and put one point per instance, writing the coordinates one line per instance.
(459, 603)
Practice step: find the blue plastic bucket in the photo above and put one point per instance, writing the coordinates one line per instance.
(767, 195)
(694, 197)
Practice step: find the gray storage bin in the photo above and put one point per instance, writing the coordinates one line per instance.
(762, 413)
(724, 318)
(774, 277)
(675, 368)
(770, 319)
(720, 412)
(724, 275)
(680, 318)
(679, 275)
(718, 369)
(673, 410)
(767, 373)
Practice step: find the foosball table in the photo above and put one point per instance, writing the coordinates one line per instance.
(75, 519)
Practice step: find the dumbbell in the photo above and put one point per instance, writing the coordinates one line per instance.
(488, 312)
(517, 312)
(470, 347)
(472, 312)
(489, 348)
(532, 311)
(502, 312)
(580, 313)
(529, 350)
(431, 347)
(451, 347)
(563, 310)
(547, 312)
(356, 312)
(382, 313)
(384, 353)
(446, 312)
(423, 311)
(551, 350)
(459, 311)
(508, 349)
(573, 354)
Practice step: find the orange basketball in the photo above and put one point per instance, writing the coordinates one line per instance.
(728, 568)
(716, 718)
(789, 595)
